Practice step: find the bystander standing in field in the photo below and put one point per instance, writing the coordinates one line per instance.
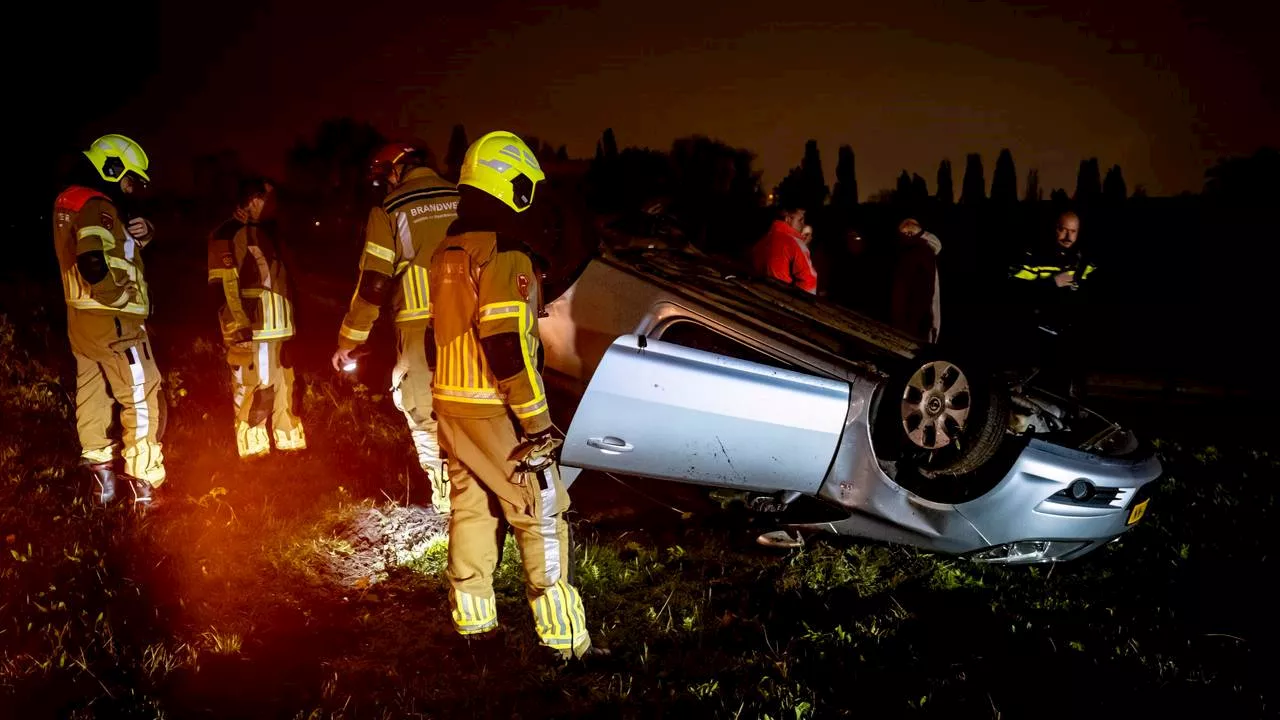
(915, 300)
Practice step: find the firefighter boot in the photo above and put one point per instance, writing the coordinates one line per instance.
(596, 657)
(591, 658)
(143, 494)
(104, 483)
(252, 441)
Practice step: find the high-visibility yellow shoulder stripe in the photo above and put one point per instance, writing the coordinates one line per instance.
(103, 234)
(379, 251)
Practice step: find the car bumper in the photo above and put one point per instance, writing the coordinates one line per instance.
(1065, 501)
(1031, 515)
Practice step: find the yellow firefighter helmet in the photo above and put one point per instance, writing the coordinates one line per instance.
(503, 166)
(114, 155)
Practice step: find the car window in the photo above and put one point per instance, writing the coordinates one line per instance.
(699, 337)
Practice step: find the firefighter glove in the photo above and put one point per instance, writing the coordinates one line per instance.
(537, 450)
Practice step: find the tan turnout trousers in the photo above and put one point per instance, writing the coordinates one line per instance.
(411, 391)
(115, 365)
(488, 495)
(262, 387)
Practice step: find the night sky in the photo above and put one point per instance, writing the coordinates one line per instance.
(1160, 88)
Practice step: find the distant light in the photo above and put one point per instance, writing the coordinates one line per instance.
(317, 223)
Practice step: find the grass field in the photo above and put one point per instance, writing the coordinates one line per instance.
(312, 587)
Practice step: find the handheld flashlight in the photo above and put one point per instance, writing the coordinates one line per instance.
(353, 360)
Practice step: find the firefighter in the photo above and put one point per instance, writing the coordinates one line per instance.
(99, 247)
(492, 405)
(400, 237)
(915, 302)
(249, 278)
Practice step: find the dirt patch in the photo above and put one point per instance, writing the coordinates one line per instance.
(376, 540)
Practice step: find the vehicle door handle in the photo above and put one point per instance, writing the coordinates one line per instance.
(610, 444)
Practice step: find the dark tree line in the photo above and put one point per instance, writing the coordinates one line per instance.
(715, 188)
(711, 186)
(946, 191)
(702, 176)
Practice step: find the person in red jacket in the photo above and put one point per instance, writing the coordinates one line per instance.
(783, 253)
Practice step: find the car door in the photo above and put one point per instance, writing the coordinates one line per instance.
(661, 410)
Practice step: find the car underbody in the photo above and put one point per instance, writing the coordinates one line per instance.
(827, 421)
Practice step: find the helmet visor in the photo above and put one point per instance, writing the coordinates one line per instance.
(114, 168)
(521, 191)
(379, 173)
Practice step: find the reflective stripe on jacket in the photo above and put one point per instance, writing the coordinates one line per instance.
(483, 291)
(247, 260)
(400, 237)
(1049, 260)
(86, 221)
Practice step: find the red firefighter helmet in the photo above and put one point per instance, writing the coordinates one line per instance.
(391, 155)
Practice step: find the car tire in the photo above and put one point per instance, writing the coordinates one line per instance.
(958, 399)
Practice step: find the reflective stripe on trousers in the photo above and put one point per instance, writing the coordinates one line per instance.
(487, 497)
(124, 373)
(473, 614)
(262, 391)
(558, 617)
(411, 381)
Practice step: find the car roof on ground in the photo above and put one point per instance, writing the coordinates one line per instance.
(786, 314)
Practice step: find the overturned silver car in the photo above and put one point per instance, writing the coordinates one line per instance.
(827, 420)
